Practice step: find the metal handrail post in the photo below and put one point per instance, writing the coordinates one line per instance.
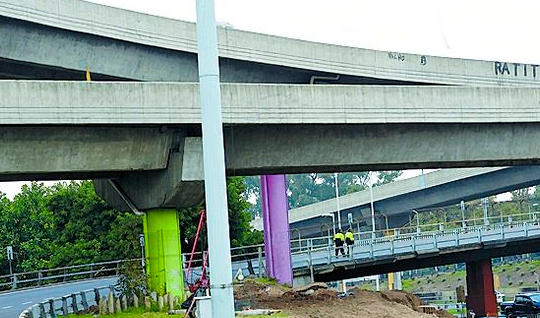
(52, 311)
(310, 260)
(64, 306)
(259, 256)
(97, 296)
(74, 303)
(42, 313)
(84, 302)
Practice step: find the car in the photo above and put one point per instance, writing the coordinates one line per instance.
(524, 304)
(500, 296)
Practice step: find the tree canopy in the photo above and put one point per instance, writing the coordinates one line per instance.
(305, 189)
(68, 224)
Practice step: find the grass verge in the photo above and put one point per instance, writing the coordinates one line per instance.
(141, 313)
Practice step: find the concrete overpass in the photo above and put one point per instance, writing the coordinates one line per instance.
(58, 39)
(151, 131)
(395, 201)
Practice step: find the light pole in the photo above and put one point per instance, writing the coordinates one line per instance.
(385, 221)
(214, 163)
(372, 211)
(422, 180)
(485, 207)
(417, 221)
(462, 205)
(333, 222)
(337, 199)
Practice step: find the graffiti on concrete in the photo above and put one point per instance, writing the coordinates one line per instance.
(396, 56)
(515, 69)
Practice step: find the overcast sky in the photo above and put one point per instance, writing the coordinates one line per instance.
(479, 29)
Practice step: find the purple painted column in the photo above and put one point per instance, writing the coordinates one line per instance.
(277, 244)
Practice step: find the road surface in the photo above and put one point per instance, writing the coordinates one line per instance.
(13, 303)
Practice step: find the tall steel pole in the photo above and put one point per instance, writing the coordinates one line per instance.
(337, 200)
(372, 211)
(214, 164)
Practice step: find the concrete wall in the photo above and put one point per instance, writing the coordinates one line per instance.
(263, 104)
(106, 57)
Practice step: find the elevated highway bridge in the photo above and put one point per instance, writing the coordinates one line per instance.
(478, 113)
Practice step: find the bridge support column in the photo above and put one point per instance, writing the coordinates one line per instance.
(480, 292)
(163, 254)
(277, 242)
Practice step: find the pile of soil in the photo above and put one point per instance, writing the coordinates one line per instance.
(320, 302)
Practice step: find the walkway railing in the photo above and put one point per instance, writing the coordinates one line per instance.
(61, 274)
(310, 252)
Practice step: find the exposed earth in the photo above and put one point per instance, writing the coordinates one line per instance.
(320, 302)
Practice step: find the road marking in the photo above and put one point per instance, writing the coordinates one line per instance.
(7, 307)
(26, 303)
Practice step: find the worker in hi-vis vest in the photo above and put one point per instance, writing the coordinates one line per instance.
(349, 239)
(339, 240)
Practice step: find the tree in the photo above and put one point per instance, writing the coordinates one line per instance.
(240, 231)
(305, 189)
(68, 224)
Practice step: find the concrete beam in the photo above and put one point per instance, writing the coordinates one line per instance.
(55, 152)
(262, 104)
(102, 22)
(179, 185)
(325, 148)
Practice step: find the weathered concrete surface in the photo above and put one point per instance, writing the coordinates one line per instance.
(252, 104)
(308, 148)
(54, 152)
(152, 48)
(268, 129)
(173, 187)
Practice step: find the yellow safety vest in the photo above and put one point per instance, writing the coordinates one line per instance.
(350, 236)
(339, 236)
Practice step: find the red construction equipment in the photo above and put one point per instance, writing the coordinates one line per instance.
(202, 281)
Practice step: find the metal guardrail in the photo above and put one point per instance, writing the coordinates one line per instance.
(67, 304)
(307, 253)
(61, 274)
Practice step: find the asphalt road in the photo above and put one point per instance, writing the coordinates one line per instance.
(13, 303)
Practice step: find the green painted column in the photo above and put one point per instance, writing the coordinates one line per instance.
(163, 252)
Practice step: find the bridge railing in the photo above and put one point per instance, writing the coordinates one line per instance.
(68, 304)
(61, 274)
(423, 237)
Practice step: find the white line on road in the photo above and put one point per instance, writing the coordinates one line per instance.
(7, 307)
(26, 303)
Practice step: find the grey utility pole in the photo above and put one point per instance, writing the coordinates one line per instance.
(214, 163)
(337, 199)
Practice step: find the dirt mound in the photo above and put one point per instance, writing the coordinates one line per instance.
(404, 298)
(320, 302)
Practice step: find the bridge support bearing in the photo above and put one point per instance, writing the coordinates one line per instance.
(480, 291)
(277, 244)
(163, 254)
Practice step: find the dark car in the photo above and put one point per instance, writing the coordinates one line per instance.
(525, 304)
